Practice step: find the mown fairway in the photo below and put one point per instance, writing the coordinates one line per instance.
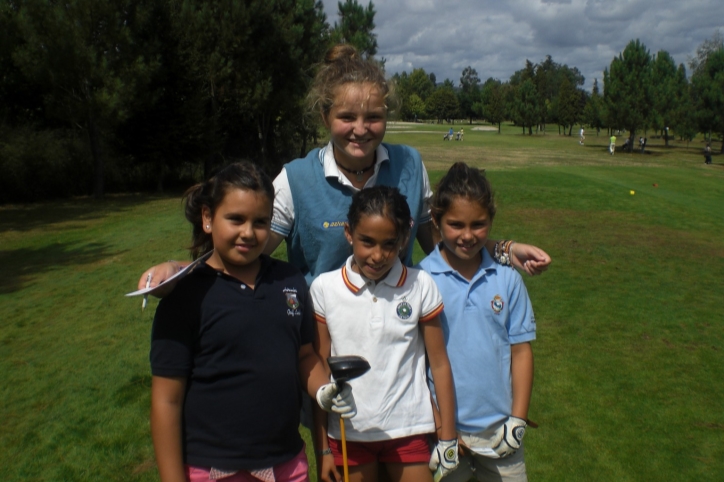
(630, 349)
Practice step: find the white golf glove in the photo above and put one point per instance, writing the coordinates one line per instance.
(331, 399)
(509, 436)
(444, 458)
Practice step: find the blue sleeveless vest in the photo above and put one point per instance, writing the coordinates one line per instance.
(316, 243)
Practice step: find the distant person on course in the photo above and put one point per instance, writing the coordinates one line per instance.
(612, 145)
(449, 135)
(581, 137)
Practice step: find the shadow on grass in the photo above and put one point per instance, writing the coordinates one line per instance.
(26, 217)
(22, 265)
(651, 149)
(135, 389)
(653, 153)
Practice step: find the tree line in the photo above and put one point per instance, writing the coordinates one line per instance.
(130, 95)
(641, 91)
(137, 94)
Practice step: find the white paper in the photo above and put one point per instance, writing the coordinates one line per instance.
(177, 276)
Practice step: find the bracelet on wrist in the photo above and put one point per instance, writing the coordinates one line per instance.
(326, 451)
(506, 252)
(502, 252)
(508, 246)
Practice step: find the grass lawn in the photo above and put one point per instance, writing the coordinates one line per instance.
(630, 349)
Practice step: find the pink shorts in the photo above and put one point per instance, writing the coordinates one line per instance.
(296, 470)
(406, 450)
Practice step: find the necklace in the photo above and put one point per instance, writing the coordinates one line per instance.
(359, 173)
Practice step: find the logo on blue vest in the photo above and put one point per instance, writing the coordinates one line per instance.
(333, 224)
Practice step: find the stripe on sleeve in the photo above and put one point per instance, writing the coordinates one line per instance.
(432, 314)
(279, 229)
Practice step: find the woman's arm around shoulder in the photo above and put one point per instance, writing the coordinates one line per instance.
(525, 257)
(529, 258)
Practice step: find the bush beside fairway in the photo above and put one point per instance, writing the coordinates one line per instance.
(630, 349)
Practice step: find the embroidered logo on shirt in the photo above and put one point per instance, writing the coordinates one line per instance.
(404, 310)
(333, 224)
(292, 301)
(497, 304)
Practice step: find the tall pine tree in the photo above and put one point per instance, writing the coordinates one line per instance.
(469, 92)
(493, 102)
(356, 27)
(627, 89)
(593, 112)
(84, 54)
(250, 63)
(708, 88)
(666, 92)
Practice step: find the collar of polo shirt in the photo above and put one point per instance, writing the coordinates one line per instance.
(326, 158)
(437, 263)
(355, 281)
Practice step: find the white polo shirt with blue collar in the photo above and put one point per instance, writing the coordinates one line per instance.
(483, 317)
(380, 321)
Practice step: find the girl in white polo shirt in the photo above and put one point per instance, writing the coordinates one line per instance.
(376, 307)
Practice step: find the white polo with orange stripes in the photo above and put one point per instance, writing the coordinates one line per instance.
(380, 321)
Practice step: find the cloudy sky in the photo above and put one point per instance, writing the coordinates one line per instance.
(496, 37)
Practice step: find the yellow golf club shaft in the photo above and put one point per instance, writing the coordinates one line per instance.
(344, 450)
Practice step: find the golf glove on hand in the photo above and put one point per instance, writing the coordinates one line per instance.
(331, 399)
(509, 436)
(444, 458)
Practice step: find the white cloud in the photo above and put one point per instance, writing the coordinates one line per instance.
(496, 38)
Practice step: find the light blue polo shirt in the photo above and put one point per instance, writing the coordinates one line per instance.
(481, 320)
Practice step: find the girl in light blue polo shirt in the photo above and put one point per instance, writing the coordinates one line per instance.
(488, 324)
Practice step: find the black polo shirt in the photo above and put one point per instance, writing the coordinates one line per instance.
(239, 349)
